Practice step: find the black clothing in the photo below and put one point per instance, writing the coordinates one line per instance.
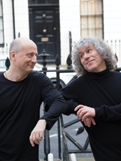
(19, 112)
(101, 91)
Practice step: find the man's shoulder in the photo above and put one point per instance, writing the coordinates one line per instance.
(1, 75)
(116, 76)
(116, 73)
(38, 76)
(81, 78)
(77, 81)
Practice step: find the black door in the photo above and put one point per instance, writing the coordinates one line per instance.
(44, 29)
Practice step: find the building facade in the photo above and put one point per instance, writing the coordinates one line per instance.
(55, 25)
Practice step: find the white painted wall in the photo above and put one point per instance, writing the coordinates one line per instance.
(7, 23)
(112, 19)
(69, 21)
(112, 25)
(21, 21)
(21, 18)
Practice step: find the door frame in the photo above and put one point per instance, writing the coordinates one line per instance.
(45, 7)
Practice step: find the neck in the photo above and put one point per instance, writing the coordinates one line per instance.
(14, 75)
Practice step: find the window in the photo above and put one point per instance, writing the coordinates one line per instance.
(1, 25)
(43, 1)
(91, 18)
(2, 63)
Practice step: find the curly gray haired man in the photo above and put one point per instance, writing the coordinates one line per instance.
(103, 49)
(96, 97)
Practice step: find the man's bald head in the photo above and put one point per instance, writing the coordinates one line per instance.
(18, 44)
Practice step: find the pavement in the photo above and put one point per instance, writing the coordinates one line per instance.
(78, 159)
(85, 159)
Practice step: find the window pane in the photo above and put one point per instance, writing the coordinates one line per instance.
(1, 37)
(91, 7)
(1, 23)
(92, 22)
(99, 33)
(49, 1)
(41, 1)
(2, 64)
(84, 22)
(84, 10)
(92, 32)
(84, 33)
(98, 22)
(0, 8)
(91, 18)
(99, 7)
(32, 1)
(55, 1)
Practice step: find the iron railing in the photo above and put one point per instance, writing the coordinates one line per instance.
(62, 143)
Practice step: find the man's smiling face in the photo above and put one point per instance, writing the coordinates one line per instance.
(91, 59)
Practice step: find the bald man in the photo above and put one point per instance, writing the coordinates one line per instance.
(21, 94)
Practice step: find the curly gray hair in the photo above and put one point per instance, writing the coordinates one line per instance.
(103, 49)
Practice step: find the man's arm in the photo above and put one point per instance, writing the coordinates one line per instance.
(68, 94)
(57, 105)
(54, 100)
(108, 113)
(37, 133)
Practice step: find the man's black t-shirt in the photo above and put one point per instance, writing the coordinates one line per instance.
(19, 112)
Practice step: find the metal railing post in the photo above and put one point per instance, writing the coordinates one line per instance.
(57, 62)
(46, 132)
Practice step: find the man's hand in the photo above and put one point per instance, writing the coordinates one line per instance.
(37, 133)
(88, 121)
(86, 114)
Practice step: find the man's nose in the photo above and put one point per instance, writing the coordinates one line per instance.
(86, 55)
(34, 59)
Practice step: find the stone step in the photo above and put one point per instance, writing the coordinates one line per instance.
(85, 159)
(78, 159)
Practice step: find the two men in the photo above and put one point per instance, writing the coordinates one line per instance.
(96, 94)
(21, 94)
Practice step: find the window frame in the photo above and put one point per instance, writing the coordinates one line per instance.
(88, 16)
(2, 44)
(46, 3)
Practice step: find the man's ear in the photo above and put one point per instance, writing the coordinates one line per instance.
(13, 55)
